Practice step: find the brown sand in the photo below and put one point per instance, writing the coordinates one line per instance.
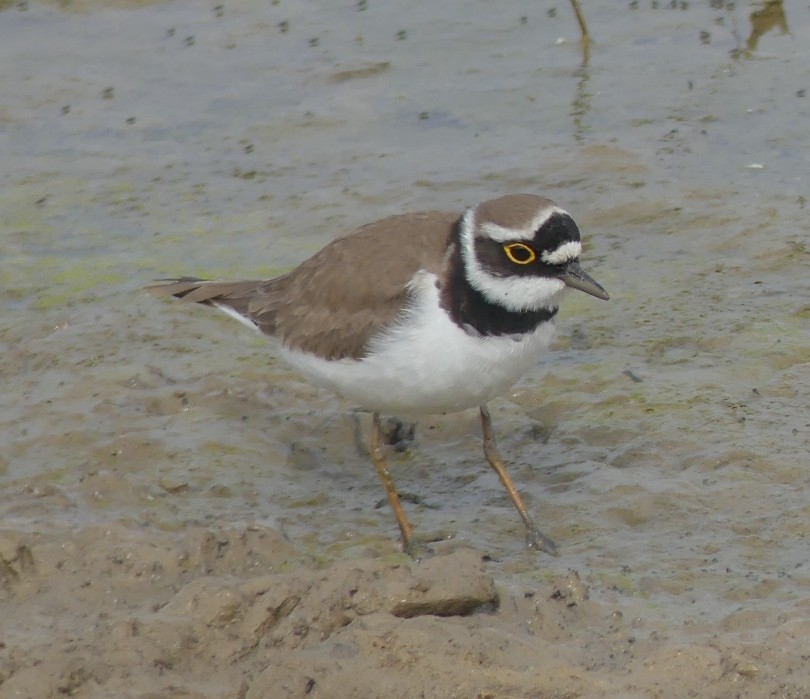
(123, 612)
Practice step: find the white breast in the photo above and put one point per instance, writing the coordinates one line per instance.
(426, 364)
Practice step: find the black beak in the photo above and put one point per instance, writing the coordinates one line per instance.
(575, 277)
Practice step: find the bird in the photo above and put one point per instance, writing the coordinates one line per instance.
(419, 313)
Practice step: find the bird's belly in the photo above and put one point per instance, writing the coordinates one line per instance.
(432, 366)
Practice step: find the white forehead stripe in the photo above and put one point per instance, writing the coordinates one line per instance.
(513, 293)
(567, 251)
(500, 234)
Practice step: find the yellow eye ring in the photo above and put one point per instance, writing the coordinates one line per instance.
(519, 253)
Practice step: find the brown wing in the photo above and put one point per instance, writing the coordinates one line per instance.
(334, 302)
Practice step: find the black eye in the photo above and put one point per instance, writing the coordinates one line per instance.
(519, 253)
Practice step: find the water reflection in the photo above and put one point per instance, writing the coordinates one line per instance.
(771, 16)
(581, 104)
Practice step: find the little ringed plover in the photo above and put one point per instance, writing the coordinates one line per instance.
(420, 313)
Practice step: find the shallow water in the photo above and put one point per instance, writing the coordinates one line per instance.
(663, 444)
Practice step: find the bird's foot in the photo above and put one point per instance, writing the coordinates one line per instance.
(535, 539)
(398, 433)
(417, 549)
